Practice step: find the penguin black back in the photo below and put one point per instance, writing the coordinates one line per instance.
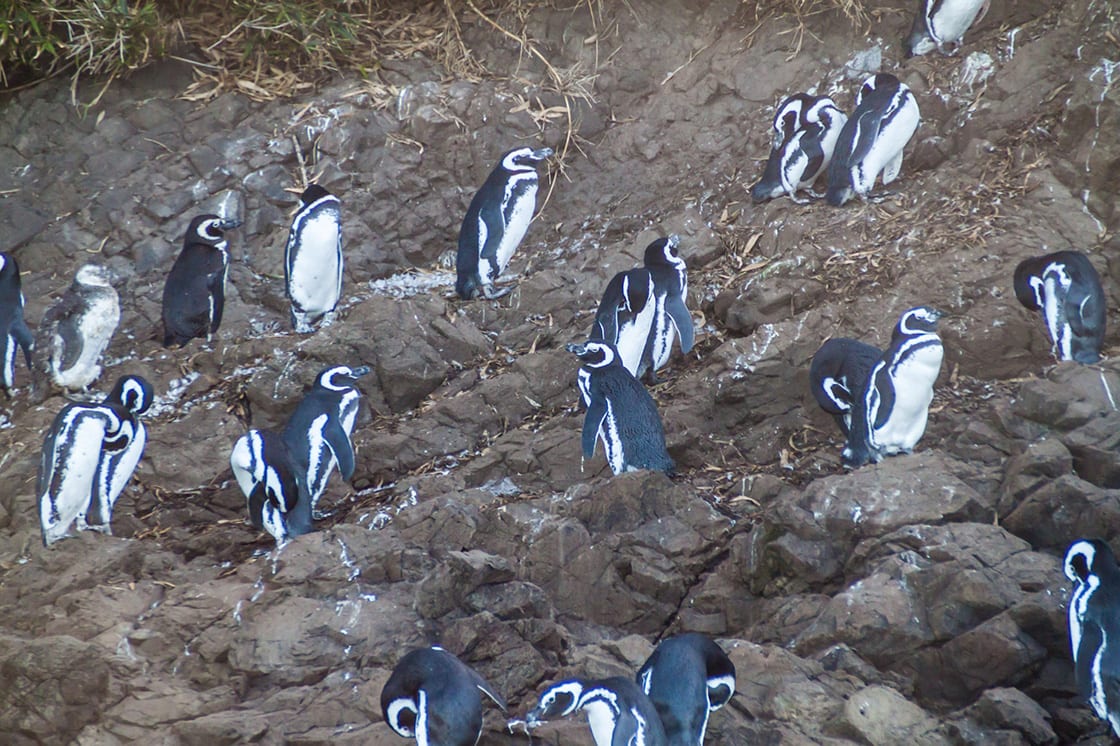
(625, 316)
(14, 333)
(687, 678)
(194, 293)
(618, 711)
(671, 319)
(839, 369)
(1066, 288)
(1094, 626)
(274, 486)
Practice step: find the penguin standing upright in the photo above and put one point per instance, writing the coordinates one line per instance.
(496, 221)
(620, 412)
(273, 484)
(195, 291)
(74, 332)
(839, 370)
(625, 316)
(14, 334)
(1094, 626)
(940, 24)
(318, 432)
(671, 318)
(890, 412)
(873, 139)
(618, 711)
(313, 258)
(433, 696)
(806, 131)
(687, 678)
(1066, 287)
(133, 396)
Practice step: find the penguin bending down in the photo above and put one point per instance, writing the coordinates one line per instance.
(195, 292)
(134, 395)
(687, 678)
(671, 318)
(1066, 287)
(313, 258)
(14, 334)
(625, 316)
(74, 332)
(273, 484)
(839, 370)
(890, 412)
(496, 221)
(940, 24)
(618, 711)
(620, 412)
(873, 139)
(1094, 626)
(433, 696)
(806, 130)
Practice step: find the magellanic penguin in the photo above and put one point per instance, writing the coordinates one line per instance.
(1065, 286)
(620, 412)
(132, 395)
(496, 221)
(671, 318)
(318, 432)
(1094, 626)
(618, 711)
(806, 130)
(940, 25)
(840, 368)
(687, 678)
(74, 332)
(625, 316)
(195, 292)
(890, 412)
(14, 334)
(873, 139)
(274, 486)
(433, 696)
(313, 258)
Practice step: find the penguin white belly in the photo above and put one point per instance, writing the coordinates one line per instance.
(885, 155)
(633, 336)
(96, 327)
(517, 218)
(612, 441)
(952, 19)
(9, 361)
(74, 469)
(602, 721)
(321, 459)
(315, 278)
(1054, 292)
(663, 334)
(912, 380)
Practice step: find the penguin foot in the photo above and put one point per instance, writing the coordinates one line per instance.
(491, 294)
(321, 515)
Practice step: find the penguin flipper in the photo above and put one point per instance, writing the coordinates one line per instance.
(341, 447)
(592, 422)
(24, 338)
(69, 336)
(682, 320)
(484, 687)
(867, 132)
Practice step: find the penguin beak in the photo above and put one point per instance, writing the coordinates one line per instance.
(360, 371)
(533, 718)
(674, 240)
(540, 155)
(576, 349)
(229, 223)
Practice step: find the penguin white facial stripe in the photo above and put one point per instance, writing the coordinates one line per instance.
(716, 685)
(1081, 549)
(837, 392)
(395, 709)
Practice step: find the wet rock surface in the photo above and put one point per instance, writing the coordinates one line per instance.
(916, 601)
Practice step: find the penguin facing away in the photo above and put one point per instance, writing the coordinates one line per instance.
(434, 697)
(496, 222)
(809, 127)
(14, 334)
(618, 711)
(194, 293)
(313, 258)
(687, 678)
(1066, 288)
(1094, 626)
(671, 318)
(620, 412)
(625, 316)
(273, 484)
(941, 24)
(133, 395)
(839, 369)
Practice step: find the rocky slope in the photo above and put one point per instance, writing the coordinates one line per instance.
(917, 601)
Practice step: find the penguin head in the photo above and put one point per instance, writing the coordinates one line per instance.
(312, 193)
(821, 107)
(918, 320)
(524, 159)
(210, 229)
(133, 392)
(559, 700)
(1088, 559)
(594, 354)
(788, 118)
(340, 377)
(880, 82)
(663, 252)
(95, 275)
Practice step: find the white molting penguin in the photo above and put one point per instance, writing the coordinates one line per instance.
(873, 139)
(671, 317)
(840, 368)
(74, 332)
(618, 711)
(273, 484)
(1094, 626)
(14, 334)
(806, 130)
(620, 412)
(687, 678)
(1066, 288)
(496, 221)
(625, 316)
(313, 258)
(132, 395)
(889, 415)
(940, 25)
(433, 696)
(195, 292)
(318, 432)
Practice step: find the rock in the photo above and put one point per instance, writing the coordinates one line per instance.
(879, 715)
(1009, 708)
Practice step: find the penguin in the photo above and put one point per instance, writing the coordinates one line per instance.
(889, 414)
(809, 127)
(1094, 626)
(313, 258)
(14, 334)
(1065, 286)
(839, 369)
(134, 396)
(620, 412)
(625, 316)
(273, 484)
(671, 318)
(318, 432)
(687, 678)
(872, 140)
(940, 24)
(194, 294)
(433, 696)
(496, 221)
(74, 332)
(618, 711)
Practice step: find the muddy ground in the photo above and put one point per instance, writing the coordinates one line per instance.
(917, 601)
